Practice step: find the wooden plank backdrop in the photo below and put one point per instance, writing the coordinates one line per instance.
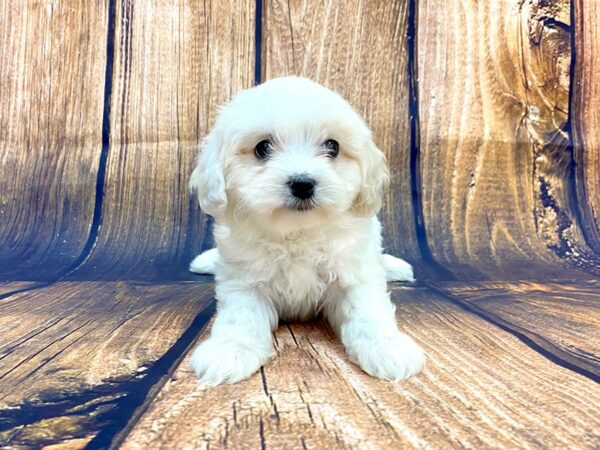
(493, 190)
(51, 108)
(496, 160)
(488, 114)
(585, 104)
(175, 62)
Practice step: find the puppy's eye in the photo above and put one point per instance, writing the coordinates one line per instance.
(332, 146)
(263, 149)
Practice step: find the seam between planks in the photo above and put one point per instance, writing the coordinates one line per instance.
(531, 339)
(258, 33)
(415, 150)
(106, 127)
(37, 286)
(572, 129)
(131, 407)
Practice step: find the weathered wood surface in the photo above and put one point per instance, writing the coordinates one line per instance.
(12, 286)
(487, 145)
(585, 112)
(51, 106)
(563, 318)
(495, 156)
(359, 49)
(482, 388)
(175, 62)
(76, 359)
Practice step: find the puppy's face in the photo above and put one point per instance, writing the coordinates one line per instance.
(289, 154)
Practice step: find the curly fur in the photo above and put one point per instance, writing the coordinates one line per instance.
(273, 261)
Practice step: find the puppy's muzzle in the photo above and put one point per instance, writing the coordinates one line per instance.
(302, 187)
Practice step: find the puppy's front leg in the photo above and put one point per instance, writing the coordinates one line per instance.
(240, 341)
(366, 323)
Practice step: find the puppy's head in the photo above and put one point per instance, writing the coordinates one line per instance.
(289, 154)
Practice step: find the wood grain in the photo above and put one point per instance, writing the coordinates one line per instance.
(74, 356)
(175, 62)
(494, 149)
(358, 48)
(80, 361)
(51, 100)
(482, 388)
(585, 111)
(562, 317)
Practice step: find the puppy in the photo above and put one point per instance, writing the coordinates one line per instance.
(294, 181)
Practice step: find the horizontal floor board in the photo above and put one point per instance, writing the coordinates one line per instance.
(482, 388)
(11, 286)
(74, 355)
(561, 317)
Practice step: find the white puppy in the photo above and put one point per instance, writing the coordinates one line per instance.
(294, 181)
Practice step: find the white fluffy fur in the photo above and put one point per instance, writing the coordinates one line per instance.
(396, 269)
(274, 262)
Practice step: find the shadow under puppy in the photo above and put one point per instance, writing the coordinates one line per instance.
(294, 181)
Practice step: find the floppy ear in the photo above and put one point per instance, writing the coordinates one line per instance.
(375, 178)
(207, 178)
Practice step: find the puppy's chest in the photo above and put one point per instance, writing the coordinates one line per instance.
(301, 280)
(306, 267)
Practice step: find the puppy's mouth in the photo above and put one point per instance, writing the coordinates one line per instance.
(301, 205)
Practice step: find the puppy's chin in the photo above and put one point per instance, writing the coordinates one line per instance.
(293, 218)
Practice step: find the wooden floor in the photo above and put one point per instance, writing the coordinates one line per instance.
(105, 363)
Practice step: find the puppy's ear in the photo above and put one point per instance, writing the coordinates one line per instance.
(207, 179)
(375, 179)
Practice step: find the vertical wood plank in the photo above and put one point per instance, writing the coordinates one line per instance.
(357, 48)
(176, 61)
(495, 156)
(586, 115)
(52, 68)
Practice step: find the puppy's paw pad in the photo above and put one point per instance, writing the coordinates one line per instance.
(391, 359)
(216, 362)
(397, 269)
(205, 262)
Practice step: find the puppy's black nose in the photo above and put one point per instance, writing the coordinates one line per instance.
(302, 186)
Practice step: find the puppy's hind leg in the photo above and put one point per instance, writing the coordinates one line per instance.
(397, 269)
(205, 262)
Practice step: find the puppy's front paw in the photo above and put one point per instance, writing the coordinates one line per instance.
(394, 358)
(218, 362)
